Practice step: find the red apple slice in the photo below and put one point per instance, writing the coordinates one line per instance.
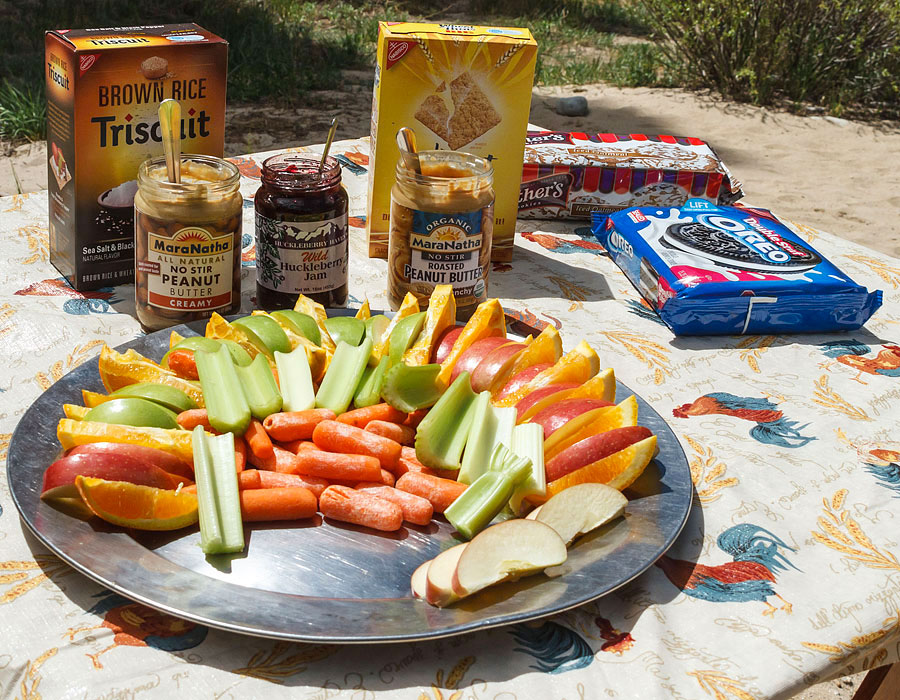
(594, 448)
(520, 379)
(444, 344)
(505, 552)
(59, 478)
(581, 508)
(164, 460)
(439, 578)
(540, 396)
(556, 415)
(418, 580)
(475, 353)
(493, 365)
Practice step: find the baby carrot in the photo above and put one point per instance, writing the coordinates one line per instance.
(281, 461)
(416, 510)
(393, 431)
(332, 465)
(410, 463)
(260, 505)
(296, 445)
(387, 479)
(360, 508)
(295, 425)
(258, 440)
(193, 417)
(240, 454)
(255, 479)
(360, 417)
(338, 437)
(439, 492)
(415, 418)
(182, 363)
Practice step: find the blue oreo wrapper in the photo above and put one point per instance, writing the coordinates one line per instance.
(720, 270)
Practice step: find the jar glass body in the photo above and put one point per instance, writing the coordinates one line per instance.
(302, 241)
(187, 241)
(441, 229)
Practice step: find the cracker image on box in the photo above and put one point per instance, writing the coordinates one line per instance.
(460, 88)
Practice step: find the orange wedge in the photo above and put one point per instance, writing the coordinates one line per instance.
(93, 398)
(307, 306)
(575, 367)
(74, 411)
(602, 386)
(590, 423)
(81, 432)
(121, 369)
(439, 316)
(138, 507)
(364, 311)
(174, 339)
(617, 471)
(487, 320)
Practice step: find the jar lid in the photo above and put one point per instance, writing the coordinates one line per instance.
(300, 171)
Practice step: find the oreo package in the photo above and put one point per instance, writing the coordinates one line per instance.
(720, 270)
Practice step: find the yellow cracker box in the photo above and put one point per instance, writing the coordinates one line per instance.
(104, 87)
(457, 87)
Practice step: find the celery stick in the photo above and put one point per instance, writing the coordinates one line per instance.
(340, 382)
(528, 441)
(442, 434)
(477, 456)
(259, 387)
(210, 529)
(296, 380)
(515, 467)
(225, 403)
(369, 392)
(480, 503)
(221, 448)
(408, 388)
(491, 426)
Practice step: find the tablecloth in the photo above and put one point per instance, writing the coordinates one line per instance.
(785, 575)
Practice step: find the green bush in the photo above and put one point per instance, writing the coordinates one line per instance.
(834, 53)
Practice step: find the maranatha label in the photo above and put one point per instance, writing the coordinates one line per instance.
(446, 249)
(191, 271)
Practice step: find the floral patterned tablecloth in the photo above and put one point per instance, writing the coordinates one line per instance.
(785, 575)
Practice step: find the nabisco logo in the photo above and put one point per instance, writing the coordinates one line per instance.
(86, 62)
(397, 50)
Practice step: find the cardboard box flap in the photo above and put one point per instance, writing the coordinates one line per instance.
(455, 30)
(127, 37)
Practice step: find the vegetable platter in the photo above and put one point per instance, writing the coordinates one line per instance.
(338, 578)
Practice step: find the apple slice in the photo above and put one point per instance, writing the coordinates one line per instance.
(439, 577)
(470, 358)
(520, 379)
(540, 398)
(593, 448)
(419, 579)
(533, 514)
(494, 364)
(581, 508)
(164, 460)
(598, 420)
(557, 414)
(445, 343)
(507, 551)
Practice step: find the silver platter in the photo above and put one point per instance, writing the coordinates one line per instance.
(328, 582)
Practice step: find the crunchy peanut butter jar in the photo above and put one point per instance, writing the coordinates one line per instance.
(441, 229)
(187, 241)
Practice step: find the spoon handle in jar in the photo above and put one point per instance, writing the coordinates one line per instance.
(170, 128)
(328, 141)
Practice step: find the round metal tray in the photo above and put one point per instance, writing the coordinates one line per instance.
(318, 581)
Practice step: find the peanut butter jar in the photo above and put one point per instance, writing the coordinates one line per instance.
(187, 241)
(441, 229)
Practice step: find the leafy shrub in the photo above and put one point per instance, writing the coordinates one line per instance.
(835, 53)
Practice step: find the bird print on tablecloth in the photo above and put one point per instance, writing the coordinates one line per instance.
(850, 353)
(771, 428)
(556, 649)
(556, 244)
(77, 303)
(884, 465)
(136, 625)
(757, 556)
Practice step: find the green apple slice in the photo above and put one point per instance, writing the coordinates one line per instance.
(169, 397)
(304, 324)
(133, 411)
(350, 330)
(264, 333)
(193, 342)
(404, 335)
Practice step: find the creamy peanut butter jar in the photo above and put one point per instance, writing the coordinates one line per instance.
(187, 241)
(441, 229)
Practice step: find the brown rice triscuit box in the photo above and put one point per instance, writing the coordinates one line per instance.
(457, 87)
(103, 90)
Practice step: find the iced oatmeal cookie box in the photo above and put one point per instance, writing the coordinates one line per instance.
(459, 88)
(570, 175)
